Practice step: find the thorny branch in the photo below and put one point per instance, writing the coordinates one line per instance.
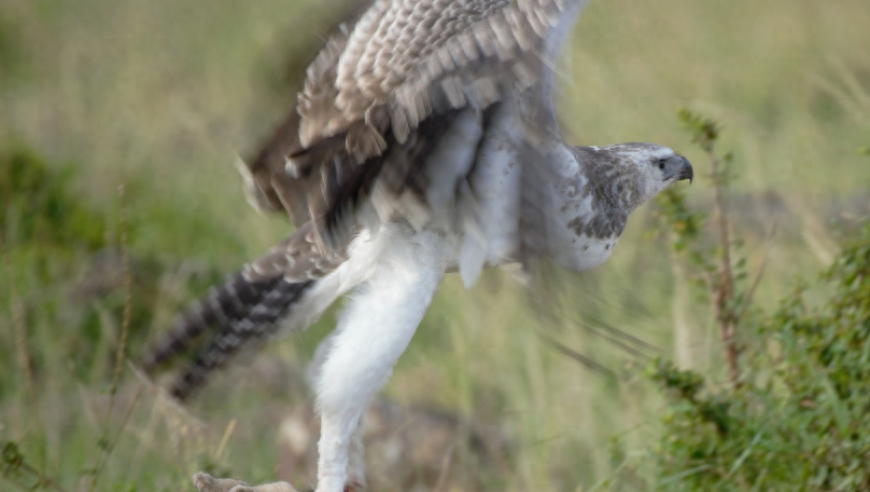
(722, 285)
(715, 266)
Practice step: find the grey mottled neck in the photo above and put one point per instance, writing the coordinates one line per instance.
(612, 191)
(613, 179)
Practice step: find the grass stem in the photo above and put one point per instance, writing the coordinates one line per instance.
(106, 446)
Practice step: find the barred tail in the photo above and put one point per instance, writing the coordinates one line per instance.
(221, 324)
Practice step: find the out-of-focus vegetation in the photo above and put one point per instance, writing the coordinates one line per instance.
(791, 415)
(159, 96)
(799, 419)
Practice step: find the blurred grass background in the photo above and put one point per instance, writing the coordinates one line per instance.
(160, 96)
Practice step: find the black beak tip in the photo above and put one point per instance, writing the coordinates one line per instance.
(687, 172)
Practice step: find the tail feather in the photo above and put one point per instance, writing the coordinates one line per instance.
(221, 324)
(220, 307)
(257, 323)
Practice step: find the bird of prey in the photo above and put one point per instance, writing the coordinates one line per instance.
(424, 141)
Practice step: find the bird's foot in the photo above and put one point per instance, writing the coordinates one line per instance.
(207, 483)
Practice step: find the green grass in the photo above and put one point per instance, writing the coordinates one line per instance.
(161, 95)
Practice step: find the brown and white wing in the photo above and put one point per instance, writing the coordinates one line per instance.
(362, 115)
(268, 186)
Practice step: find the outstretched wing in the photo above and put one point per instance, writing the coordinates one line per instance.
(360, 116)
(392, 112)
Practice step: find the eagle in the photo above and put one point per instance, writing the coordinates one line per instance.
(423, 142)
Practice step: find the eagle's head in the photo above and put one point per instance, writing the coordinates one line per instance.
(643, 169)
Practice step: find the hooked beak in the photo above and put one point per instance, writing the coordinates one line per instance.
(686, 171)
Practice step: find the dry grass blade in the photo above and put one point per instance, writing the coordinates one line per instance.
(20, 332)
(747, 301)
(225, 439)
(442, 485)
(24, 361)
(128, 293)
(105, 445)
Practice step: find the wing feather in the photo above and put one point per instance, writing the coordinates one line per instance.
(358, 118)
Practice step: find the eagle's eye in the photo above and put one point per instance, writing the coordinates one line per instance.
(661, 163)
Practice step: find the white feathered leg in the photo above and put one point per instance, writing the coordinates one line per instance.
(372, 333)
(356, 463)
